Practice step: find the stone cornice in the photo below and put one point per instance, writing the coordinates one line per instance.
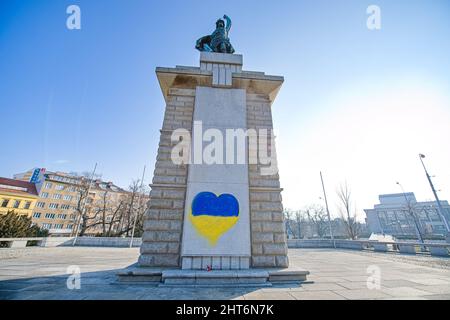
(190, 78)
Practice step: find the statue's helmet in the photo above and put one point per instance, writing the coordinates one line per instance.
(220, 23)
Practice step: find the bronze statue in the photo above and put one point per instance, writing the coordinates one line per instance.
(218, 41)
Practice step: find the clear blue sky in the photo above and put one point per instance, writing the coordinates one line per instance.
(69, 99)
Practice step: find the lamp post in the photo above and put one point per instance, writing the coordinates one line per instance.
(439, 206)
(411, 213)
(328, 211)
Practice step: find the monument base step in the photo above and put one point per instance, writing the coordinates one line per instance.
(140, 275)
(215, 278)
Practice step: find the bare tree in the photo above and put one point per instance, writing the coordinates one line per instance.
(82, 214)
(318, 218)
(106, 211)
(288, 221)
(89, 213)
(347, 212)
(133, 208)
(299, 220)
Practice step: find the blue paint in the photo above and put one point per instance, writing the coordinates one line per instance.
(208, 204)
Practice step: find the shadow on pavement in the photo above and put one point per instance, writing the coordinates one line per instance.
(104, 285)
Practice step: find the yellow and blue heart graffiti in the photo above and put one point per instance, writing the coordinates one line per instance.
(213, 216)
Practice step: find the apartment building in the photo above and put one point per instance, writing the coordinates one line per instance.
(59, 198)
(18, 196)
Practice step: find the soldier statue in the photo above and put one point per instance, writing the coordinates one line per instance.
(218, 41)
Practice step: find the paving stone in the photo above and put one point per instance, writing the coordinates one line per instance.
(323, 287)
(269, 296)
(40, 274)
(405, 292)
(398, 283)
(317, 295)
(362, 294)
(404, 298)
(438, 297)
(430, 281)
(436, 289)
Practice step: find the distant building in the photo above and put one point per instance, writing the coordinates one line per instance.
(59, 194)
(18, 196)
(395, 215)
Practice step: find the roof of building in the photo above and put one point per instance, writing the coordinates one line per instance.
(76, 179)
(73, 178)
(18, 187)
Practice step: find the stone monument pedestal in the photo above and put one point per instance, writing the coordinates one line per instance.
(264, 277)
(208, 221)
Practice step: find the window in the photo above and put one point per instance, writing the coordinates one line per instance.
(44, 195)
(72, 216)
(435, 218)
(16, 204)
(68, 197)
(48, 185)
(62, 216)
(27, 205)
(46, 225)
(50, 216)
(5, 203)
(58, 226)
(65, 206)
(57, 196)
(59, 187)
(37, 215)
(53, 206)
(72, 189)
(40, 204)
(70, 226)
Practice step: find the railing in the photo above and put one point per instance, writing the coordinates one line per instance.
(20, 242)
(434, 249)
(68, 241)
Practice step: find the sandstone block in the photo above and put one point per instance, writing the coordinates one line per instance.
(282, 261)
(153, 247)
(259, 237)
(159, 260)
(274, 249)
(263, 261)
(156, 225)
(273, 227)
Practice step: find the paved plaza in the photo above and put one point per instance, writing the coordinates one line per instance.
(41, 273)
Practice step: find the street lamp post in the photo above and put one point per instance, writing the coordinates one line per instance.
(411, 213)
(439, 206)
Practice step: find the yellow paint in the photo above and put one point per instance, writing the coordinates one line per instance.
(212, 228)
(11, 198)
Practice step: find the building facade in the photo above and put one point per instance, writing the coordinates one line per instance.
(18, 196)
(398, 215)
(59, 205)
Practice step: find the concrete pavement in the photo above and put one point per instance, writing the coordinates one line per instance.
(41, 273)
